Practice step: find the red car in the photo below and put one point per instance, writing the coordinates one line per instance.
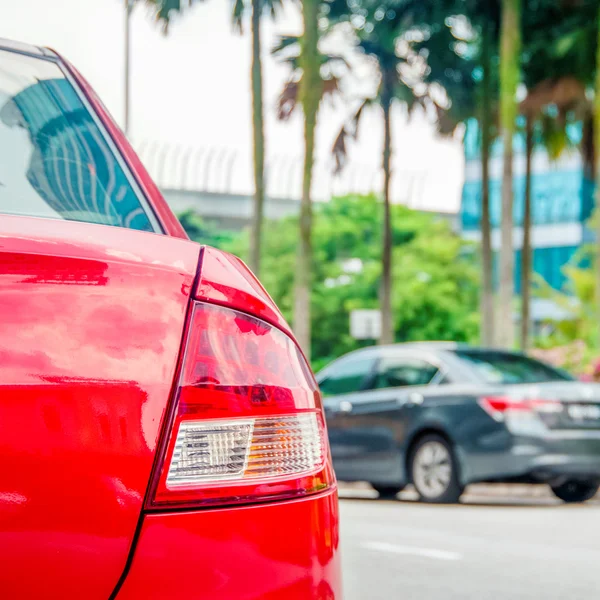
(161, 433)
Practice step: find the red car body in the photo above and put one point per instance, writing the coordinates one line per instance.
(111, 346)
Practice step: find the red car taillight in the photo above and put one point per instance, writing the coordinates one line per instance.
(499, 406)
(247, 422)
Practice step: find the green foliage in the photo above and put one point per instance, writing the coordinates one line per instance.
(435, 290)
(163, 11)
(204, 232)
(241, 7)
(578, 299)
(510, 59)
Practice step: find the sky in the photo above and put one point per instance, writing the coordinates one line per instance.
(190, 90)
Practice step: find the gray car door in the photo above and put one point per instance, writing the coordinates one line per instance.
(341, 386)
(375, 421)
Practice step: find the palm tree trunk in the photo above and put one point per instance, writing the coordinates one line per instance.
(487, 284)
(310, 95)
(596, 154)
(259, 142)
(526, 249)
(510, 51)
(387, 322)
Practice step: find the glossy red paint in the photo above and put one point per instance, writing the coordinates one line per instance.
(91, 322)
(280, 551)
(226, 280)
(161, 209)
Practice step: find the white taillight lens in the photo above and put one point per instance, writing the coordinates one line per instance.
(209, 451)
(237, 450)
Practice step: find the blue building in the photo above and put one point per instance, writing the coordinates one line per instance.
(562, 202)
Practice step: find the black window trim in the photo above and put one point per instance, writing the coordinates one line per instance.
(367, 377)
(144, 200)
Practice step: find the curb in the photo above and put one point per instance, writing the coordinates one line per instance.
(479, 489)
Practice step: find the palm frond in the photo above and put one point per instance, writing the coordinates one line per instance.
(287, 50)
(289, 97)
(164, 10)
(240, 7)
(237, 15)
(288, 100)
(285, 43)
(349, 130)
(566, 93)
(273, 6)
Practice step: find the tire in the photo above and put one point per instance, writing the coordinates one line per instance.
(433, 471)
(387, 491)
(576, 491)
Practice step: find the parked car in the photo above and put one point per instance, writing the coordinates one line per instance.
(442, 416)
(161, 434)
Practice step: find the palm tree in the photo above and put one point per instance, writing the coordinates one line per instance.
(566, 95)
(552, 80)
(526, 251)
(378, 36)
(310, 97)
(510, 55)
(488, 333)
(163, 12)
(331, 67)
(289, 49)
(467, 76)
(256, 8)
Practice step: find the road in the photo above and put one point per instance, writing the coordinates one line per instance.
(489, 547)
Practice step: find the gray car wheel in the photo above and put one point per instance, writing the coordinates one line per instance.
(433, 470)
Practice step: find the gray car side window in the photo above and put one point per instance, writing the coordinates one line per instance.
(403, 372)
(348, 376)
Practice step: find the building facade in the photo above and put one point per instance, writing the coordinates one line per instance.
(561, 198)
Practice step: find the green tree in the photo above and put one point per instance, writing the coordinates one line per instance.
(205, 232)
(256, 8)
(460, 58)
(435, 282)
(289, 49)
(572, 45)
(556, 96)
(510, 57)
(380, 30)
(164, 10)
(488, 318)
(310, 97)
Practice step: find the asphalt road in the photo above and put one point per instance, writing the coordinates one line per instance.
(492, 546)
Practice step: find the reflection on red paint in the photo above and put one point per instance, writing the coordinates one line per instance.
(226, 280)
(91, 320)
(270, 552)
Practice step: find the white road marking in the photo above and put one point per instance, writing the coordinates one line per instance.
(414, 550)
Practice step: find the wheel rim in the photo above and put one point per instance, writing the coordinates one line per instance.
(432, 469)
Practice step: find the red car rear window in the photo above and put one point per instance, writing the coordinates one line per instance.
(55, 161)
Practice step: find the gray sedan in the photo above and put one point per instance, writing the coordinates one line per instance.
(442, 416)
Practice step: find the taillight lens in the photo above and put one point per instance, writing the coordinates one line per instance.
(247, 423)
(498, 407)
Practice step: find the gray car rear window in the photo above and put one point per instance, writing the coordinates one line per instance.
(506, 368)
